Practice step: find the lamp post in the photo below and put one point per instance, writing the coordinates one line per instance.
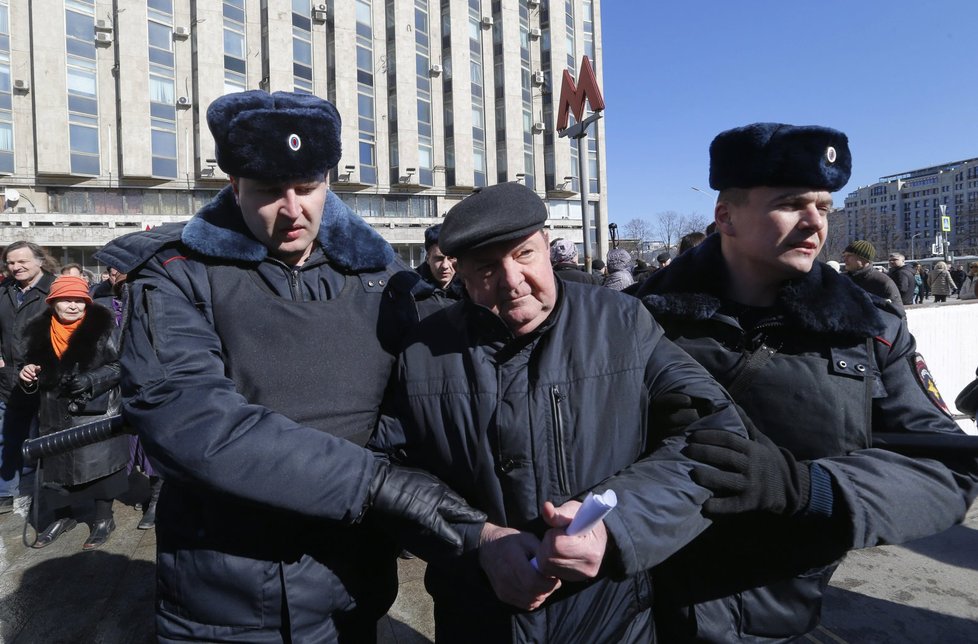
(912, 254)
(703, 192)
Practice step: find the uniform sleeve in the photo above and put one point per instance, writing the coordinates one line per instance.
(893, 498)
(659, 506)
(201, 432)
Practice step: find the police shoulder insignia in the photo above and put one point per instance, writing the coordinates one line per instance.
(926, 381)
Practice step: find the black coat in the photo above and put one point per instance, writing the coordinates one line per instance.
(903, 277)
(91, 350)
(880, 285)
(842, 369)
(573, 273)
(13, 320)
(511, 422)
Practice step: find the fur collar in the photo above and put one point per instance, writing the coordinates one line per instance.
(84, 346)
(822, 301)
(218, 230)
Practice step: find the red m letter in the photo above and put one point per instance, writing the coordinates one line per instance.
(573, 97)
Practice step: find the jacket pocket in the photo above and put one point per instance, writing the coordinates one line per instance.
(787, 608)
(557, 418)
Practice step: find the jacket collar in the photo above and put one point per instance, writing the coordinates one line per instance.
(218, 230)
(821, 301)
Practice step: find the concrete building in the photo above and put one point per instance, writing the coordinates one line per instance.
(902, 212)
(103, 103)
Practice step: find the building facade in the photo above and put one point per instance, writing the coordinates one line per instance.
(103, 107)
(902, 212)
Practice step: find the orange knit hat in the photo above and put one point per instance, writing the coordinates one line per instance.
(69, 286)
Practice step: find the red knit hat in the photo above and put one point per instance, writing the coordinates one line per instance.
(69, 286)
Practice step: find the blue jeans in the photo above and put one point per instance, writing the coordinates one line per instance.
(18, 423)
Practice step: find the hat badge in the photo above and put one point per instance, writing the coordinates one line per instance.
(295, 143)
(830, 154)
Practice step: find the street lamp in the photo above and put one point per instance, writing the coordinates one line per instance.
(703, 192)
(912, 254)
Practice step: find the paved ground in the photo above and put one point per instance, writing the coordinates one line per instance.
(924, 592)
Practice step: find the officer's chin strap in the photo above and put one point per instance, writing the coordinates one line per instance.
(35, 507)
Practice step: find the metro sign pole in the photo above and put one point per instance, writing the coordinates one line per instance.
(573, 97)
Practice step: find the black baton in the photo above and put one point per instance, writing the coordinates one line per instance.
(73, 438)
(925, 444)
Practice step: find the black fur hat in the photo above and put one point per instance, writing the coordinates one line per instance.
(775, 154)
(275, 136)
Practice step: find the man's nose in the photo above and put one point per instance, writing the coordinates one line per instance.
(511, 274)
(290, 204)
(813, 217)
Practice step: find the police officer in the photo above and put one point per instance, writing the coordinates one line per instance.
(255, 360)
(822, 369)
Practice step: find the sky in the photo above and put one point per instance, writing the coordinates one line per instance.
(899, 78)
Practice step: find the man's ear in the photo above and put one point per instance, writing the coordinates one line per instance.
(234, 186)
(722, 216)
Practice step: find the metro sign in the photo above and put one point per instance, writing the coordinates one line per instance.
(574, 96)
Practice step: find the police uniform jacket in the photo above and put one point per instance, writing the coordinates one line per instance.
(510, 422)
(253, 386)
(92, 350)
(820, 374)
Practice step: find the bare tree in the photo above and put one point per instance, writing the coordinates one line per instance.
(668, 227)
(694, 223)
(640, 230)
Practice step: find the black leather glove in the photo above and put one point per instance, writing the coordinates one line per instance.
(672, 413)
(422, 502)
(747, 475)
(79, 385)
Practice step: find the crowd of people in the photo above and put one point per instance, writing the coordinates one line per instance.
(316, 406)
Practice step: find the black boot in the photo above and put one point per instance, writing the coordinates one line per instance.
(53, 531)
(100, 534)
(149, 516)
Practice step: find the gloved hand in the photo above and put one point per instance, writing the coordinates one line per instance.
(749, 475)
(424, 503)
(78, 384)
(672, 413)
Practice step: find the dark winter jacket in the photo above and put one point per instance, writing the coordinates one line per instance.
(830, 367)
(512, 422)
(572, 273)
(903, 277)
(253, 385)
(92, 350)
(13, 319)
(880, 285)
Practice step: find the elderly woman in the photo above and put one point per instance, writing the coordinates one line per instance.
(969, 287)
(940, 282)
(72, 365)
(619, 275)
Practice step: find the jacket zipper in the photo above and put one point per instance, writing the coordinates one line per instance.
(294, 284)
(558, 420)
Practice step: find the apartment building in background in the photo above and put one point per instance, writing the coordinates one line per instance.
(103, 104)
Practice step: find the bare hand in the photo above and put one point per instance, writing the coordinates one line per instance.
(504, 555)
(571, 558)
(29, 373)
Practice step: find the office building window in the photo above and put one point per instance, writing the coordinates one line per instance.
(6, 101)
(422, 41)
(366, 112)
(526, 94)
(448, 100)
(302, 46)
(162, 89)
(83, 123)
(235, 47)
(479, 162)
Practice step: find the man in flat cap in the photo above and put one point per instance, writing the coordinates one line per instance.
(260, 339)
(823, 370)
(858, 258)
(532, 390)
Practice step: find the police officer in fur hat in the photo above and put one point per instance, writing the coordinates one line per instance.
(256, 356)
(822, 369)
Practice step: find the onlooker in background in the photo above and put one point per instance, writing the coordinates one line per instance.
(619, 276)
(31, 271)
(73, 269)
(563, 258)
(104, 288)
(598, 269)
(72, 362)
(642, 270)
(902, 276)
(925, 274)
(858, 257)
(438, 273)
(969, 285)
(940, 282)
(663, 258)
(958, 274)
(690, 240)
(918, 277)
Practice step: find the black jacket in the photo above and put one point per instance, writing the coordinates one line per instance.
(844, 367)
(13, 319)
(257, 510)
(903, 277)
(880, 285)
(511, 422)
(573, 273)
(92, 350)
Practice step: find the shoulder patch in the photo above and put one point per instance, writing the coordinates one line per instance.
(926, 381)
